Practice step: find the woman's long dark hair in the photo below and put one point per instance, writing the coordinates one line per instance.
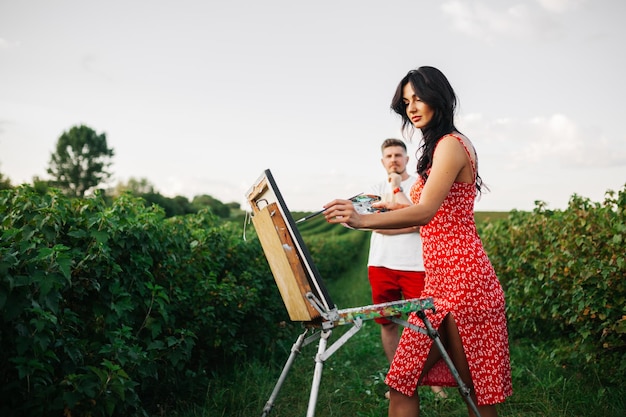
(434, 89)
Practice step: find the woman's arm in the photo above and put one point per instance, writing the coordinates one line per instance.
(449, 159)
(393, 232)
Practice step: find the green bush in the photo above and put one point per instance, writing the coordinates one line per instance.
(115, 310)
(335, 253)
(563, 274)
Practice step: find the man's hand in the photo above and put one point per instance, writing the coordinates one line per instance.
(394, 179)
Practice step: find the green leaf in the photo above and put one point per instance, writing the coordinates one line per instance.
(101, 236)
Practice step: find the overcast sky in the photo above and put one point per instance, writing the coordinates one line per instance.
(199, 97)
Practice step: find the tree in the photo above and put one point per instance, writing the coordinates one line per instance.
(5, 182)
(176, 206)
(81, 161)
(216, 206)
(41, 186)
(135, 186)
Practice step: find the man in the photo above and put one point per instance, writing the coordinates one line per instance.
(395, 265)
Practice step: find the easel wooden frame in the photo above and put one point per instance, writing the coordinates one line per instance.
(306, 298)
(289, 259)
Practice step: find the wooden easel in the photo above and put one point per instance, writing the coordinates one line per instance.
(307, 299)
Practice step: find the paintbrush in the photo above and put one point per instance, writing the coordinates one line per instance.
(317, 213)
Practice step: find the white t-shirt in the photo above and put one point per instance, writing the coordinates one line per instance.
(402, 252)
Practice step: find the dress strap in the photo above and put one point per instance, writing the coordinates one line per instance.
(469, 155)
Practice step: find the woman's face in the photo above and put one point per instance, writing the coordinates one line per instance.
(417, 111)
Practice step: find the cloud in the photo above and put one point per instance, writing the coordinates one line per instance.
(493, 132)
(573, 146)
(486, 23)
(555, 140)
(560, 6)
(5, 44)
(90, 65)
(553, 137)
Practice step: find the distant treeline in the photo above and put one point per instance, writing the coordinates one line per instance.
(79, 167)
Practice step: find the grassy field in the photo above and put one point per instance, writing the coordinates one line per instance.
(353, 378)
(485, 216)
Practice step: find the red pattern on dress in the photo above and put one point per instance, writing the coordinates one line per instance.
(462, 281)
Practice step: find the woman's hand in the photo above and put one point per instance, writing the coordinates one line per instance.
(342, 211)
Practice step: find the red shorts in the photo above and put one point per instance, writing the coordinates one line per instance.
(393, 285)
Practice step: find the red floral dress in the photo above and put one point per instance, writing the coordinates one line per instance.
(462, 281)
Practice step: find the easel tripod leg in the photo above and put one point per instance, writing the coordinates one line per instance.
(434, 335)
(317, 374)
(295, 350)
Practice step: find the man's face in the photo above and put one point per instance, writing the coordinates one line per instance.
(394, 159)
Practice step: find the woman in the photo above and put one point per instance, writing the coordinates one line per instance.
(469, 301)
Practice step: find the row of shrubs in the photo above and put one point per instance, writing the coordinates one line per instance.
(113, 309)
(564, 274)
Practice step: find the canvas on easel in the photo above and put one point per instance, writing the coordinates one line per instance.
(291, 264)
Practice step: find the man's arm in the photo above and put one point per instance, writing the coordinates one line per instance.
(400, 198)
